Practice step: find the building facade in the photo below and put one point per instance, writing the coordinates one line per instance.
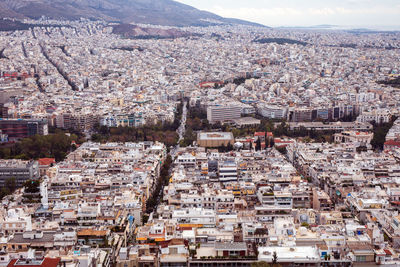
(21, 170)
(223, 113)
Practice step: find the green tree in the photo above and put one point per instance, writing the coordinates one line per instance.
(380, 132)
(11, 184)
(267, 144)
(222, 148)
(278, 131)
(305, 224)
(4, 192)
(32, 186)
(229, 147)
(258, 144)
(274, 258)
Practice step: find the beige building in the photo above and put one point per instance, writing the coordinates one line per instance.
(354, 137)
(215, 139)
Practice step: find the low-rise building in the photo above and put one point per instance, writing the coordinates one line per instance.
(215, 139)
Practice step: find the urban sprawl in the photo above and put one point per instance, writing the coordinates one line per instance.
(294, 158)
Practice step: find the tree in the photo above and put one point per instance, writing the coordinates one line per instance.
(217, 125)
(11, 184)
(4, 192)
(229, 147)
(32, 186)
(258, 144)
(222, 148)
(305, 224)
(272, 143)
(267, 144)
(274, 258)
(281, 130)
(380, 131)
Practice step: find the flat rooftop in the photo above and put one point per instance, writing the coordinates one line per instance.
(215, 136)
(247, 120)
(289, 254)
(14, 163)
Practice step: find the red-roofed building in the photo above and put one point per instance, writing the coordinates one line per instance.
(46, 161)
(259, 135)
(262, 135)
(388, 252)
(391, 144)
(282, 143)
(45, 164)
(46, 262)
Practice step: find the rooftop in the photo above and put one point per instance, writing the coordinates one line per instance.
(215, 136)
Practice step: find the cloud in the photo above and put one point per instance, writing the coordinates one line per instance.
(306, 12)
(359, 2)
(309, 16)
(251, 12)
(321, 11)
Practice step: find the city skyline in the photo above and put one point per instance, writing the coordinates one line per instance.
(305, 13)
(194, 140)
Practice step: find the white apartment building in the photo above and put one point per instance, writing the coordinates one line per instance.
(194, 216)
(223, 113)
(227, 171)
(378, 115)
(272, 111)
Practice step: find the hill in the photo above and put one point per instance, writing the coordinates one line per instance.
(156, 12)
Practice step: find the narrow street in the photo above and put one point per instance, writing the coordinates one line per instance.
(174, 150)
(181, 130)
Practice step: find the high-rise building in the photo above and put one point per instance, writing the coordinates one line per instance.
(18, 129)
(223, 113)
(272, 111)
(20, 170)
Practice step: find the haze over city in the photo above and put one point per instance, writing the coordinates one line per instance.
(382, 14)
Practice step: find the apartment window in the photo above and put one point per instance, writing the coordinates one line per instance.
(361, 258)
(233, 253)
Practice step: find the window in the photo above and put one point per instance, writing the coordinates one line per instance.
(361, 258)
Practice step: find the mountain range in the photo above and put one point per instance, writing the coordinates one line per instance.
(156, 12)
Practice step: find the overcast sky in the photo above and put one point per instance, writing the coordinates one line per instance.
(377, 13)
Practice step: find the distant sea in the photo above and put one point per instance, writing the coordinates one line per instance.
(346, 27)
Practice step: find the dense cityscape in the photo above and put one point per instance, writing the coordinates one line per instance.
(231, 145)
